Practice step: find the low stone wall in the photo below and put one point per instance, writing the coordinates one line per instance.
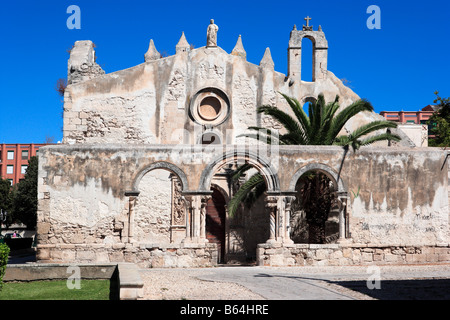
(354, 254)
(126, 282)
(62, 271)
(185, 255)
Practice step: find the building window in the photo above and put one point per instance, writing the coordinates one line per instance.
(9, 169)
(10, 181)
(24, 154)
(23, 169)
(10, 155)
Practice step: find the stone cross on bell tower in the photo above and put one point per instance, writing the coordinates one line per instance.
(307, 27)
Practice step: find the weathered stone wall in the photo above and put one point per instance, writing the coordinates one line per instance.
(345, 255)
(152, 102)
(397, 197)
(146, 256)
(153, 211)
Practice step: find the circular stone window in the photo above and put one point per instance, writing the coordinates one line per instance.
(210, 106)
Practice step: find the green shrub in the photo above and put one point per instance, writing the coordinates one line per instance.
(4, 253)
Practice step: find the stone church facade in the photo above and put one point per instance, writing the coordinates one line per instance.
(143, 173)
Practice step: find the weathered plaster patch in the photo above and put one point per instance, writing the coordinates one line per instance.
(84, 205)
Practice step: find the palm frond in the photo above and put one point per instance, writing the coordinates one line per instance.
(263, 135)
(243, 192)
(380, 137)
(282, 117)
(342, 117)
(322, 136)
(300, 114)
(372, 127)
(240, 171)
(294, 138)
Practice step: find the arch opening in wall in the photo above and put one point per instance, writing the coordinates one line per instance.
(152, 214)
(159, 211)
(307, 59)
(248, 223)
(307, 102)
(314, 216)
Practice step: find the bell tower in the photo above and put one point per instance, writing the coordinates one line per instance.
(320, 52)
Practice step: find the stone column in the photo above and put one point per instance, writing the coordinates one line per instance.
(195, 205)
(288, 200)
(188, 201)
(196, 222)
(203, 202)
(179, 212)
(272, 206)
(342, 200)
(132, 198)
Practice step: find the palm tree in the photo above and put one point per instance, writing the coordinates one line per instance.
(321, 127)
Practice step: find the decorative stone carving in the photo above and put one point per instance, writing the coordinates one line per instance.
(178, 203)
(204, 202)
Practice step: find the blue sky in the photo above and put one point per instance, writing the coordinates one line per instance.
(397, 67)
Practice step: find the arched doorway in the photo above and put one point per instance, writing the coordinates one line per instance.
(250, 224)
(215, 222)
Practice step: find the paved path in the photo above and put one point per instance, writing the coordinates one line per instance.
(339, 283)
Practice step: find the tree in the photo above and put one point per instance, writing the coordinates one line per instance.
(25, 200)
(322, 126)
(6, 198)
(440, 123)
(61, 85)
(317, 199)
